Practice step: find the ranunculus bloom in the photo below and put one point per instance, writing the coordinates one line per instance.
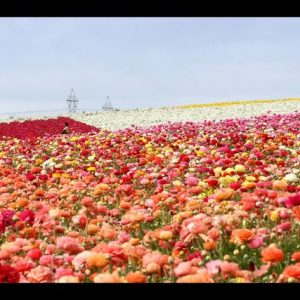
(184, 268)
(98, 260)
(8, 274)
(296, 256)
(135, 277)
(255, 242)
(272, 254)
(192, 181)
(292, 201)
(292, 272)
(202, 276)
(40, 274)
(27, 216)
(155, 257)
(68, 244)
(239, 236)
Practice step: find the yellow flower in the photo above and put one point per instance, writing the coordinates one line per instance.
(87, 142)
(218, 170)
(37, 161)
(274, 215)
(177, 183)
(200, 153)
(91, 169)
(56, 175)
(74, 139)
(240, 168)
(250, 178)
(239, 280)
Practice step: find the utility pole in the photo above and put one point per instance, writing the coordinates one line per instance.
(72, 102)
(107, 105)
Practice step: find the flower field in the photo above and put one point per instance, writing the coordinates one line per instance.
(29, 129)
(115, 120)
(183, 202)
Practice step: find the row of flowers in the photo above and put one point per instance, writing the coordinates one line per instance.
(240, 102)
(38, 128)
(180, 202)
(116, 120)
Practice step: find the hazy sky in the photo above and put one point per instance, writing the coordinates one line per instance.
(146, 62)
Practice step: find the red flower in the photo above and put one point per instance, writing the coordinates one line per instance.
(27, 216)
(213, 182)
(9, 274)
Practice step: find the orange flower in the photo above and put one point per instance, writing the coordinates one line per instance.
(165, 235)
(106, 278)
(292, 271)
(279, 185)
(22, 202)
(296, 211)
(239, 236)
(92, 229)
(224, 194)
(210, 245)
(201, 277)
(153, 268)
(100, 188)
(296, 256)
(272, 254)
(97, 260)
(135, 277)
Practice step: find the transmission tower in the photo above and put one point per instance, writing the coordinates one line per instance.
(72, 102)
(107, 105)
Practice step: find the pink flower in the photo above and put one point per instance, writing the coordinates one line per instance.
(229, 268)
(62, 272)
(123, 237)
(213, 266)
(256, 242)
(292, 201)
(27, 216)
(154, 257)
(46, 260)
(184, 268)
(80, 259)
(286, 226)
(68, 244)
(40, 274)
(34, 253)
(192, 181)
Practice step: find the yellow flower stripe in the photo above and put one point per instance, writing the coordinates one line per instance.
(237, 103)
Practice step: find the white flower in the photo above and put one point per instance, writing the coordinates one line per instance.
(291, 177)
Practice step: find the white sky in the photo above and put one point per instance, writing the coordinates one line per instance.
(146, 62)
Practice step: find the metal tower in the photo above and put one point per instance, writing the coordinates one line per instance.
(72, 102)
(107, 105)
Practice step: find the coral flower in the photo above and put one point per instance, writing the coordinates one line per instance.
(272, 254)
(292, 272)
(296, 256)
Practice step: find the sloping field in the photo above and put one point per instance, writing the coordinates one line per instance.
(206, 201)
